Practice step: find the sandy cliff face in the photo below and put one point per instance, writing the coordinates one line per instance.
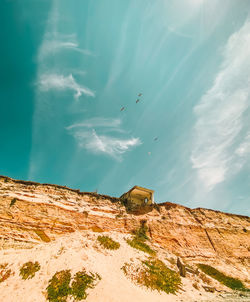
(32, 213)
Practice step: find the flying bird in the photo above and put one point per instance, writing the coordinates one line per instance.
(156, 138)
(140, 94)
(137, 101)
(122, 108)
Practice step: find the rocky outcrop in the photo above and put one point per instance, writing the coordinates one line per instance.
(181, 267)
(32, 212)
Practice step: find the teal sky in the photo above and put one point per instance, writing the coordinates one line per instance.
(68, 67)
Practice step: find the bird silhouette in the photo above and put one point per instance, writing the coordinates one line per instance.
(137, 101)
(140, 94)
(122, 108)
(156, 138)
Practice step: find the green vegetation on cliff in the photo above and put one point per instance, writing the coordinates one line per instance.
(230, 282)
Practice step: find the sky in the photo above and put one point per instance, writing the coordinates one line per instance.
(102, 95)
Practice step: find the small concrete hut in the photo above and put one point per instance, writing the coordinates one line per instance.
(139, 196)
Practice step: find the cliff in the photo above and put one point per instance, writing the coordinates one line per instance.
(31, 213)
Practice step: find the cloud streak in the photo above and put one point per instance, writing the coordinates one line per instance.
(109, 145)
(50, 47)
(172, 29)
(97, 122)
(87, 137)
(54, 81)
(244, 149)
(220, 114)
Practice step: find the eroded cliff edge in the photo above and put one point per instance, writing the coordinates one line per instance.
(32, 212)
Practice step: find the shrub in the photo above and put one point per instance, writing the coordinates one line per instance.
(13, 201)
(219, 276)
(154, 274)
(4, 272)
(28, 270)
(140, 236)
(81, 282)
(108, 243)
(59, 286)
(159, 276)
(142, 246)
(141, 233)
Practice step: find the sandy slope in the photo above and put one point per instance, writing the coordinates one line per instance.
(78, 250)
(67, 217)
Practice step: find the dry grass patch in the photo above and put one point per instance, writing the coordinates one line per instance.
(142, 246)
(108, 243)
(97, 229)
(12, 243)
(29, 269)
(61, 286)
(153, 274)
(139, 238)
(230, 282)
(5, 272)
(42, 235)
(81, 282)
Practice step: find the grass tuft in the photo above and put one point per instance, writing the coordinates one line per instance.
(5, 272)
(230, 282)
(108, 243)
(29, 269)
(59, 286)
(154, 274)
(142, 246)
(138, 241)
(141, 233)
(81, 282)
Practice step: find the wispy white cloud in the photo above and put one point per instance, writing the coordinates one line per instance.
(55, 81)
(55, 74)
(97, 122)
(55, 41)
(244, 148)
(173, 29)
(87, 137)
(220, 114)
(112, 146)
(50, 47)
